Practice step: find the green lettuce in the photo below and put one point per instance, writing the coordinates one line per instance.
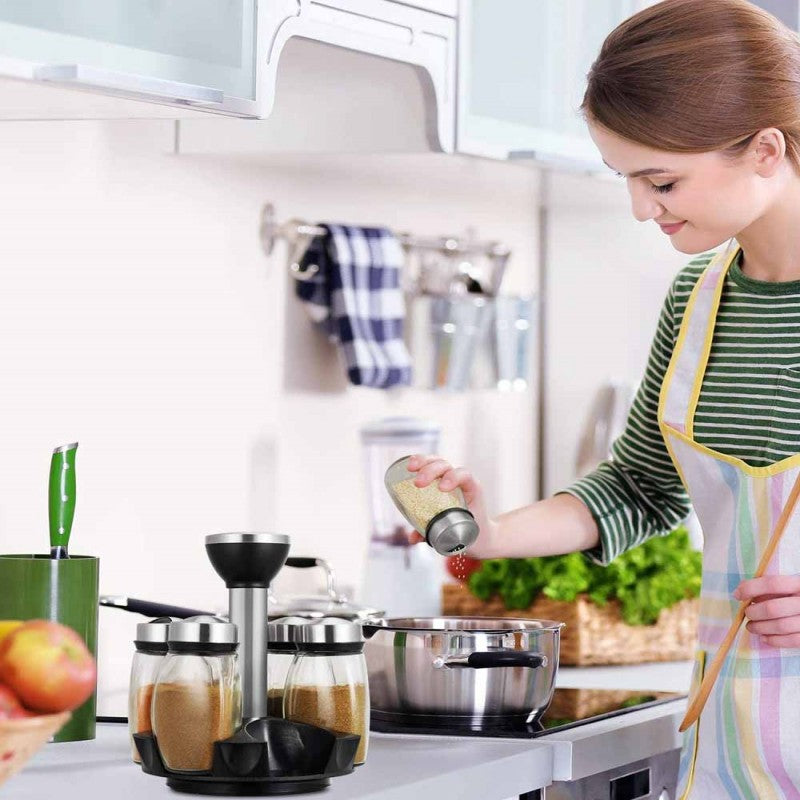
(645, 580)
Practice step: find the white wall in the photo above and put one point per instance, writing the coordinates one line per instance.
(139, 316)
(607, 278)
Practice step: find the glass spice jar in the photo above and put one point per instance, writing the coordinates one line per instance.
(281, 650)
(151, 647)
(327, 682)
(441, 517)
(196, 700)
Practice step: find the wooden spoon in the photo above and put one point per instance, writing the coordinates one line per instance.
(710, 677)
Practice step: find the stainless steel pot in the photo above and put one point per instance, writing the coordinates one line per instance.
(479, 670)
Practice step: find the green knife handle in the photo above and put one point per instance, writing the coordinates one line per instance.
(61, 500)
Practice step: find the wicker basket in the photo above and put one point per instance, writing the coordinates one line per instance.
(21, 738)
(593, 634)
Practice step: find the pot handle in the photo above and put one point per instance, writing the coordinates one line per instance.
(493, 658)
(148, 608)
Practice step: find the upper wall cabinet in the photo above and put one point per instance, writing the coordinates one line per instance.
(787, 11)
(202, 53)
(522, 74)
(220, 55)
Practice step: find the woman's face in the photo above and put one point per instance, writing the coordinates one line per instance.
(699, 200)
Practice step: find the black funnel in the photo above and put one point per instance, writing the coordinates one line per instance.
(247, 559)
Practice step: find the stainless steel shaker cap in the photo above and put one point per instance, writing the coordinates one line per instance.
(202, 632)
(153, 632)
(452, 531)
(309, 633)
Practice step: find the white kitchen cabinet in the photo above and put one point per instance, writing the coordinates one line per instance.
(447, 7)
(522, 74)
(201, 53)
(219, 55)
(787, 11)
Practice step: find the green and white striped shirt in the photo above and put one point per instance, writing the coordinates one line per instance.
(749, 407)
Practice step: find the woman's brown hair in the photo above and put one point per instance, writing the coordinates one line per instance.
(692, 76)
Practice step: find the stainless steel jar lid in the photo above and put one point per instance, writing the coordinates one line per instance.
(153, 633)
(310, 634)
(399, 428)
(202, 633)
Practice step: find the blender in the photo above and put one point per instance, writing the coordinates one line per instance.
(401, 577)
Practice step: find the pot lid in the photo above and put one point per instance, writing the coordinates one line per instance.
(316, 606)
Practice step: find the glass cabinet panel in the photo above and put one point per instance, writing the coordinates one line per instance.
(522, 74)
(199, 43)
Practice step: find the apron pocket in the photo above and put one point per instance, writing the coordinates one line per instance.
(783, 438)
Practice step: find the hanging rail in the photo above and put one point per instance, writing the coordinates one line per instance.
(299, 233)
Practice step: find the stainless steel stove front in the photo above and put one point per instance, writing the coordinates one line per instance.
(653, 778)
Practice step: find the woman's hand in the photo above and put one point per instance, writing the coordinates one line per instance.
(431, 468)
(774, 613)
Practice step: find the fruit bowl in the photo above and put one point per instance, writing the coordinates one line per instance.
(21, 738)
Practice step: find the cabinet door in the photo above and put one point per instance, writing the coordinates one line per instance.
(787, 11)
(447, 7)
(199, 52)
(522, 75)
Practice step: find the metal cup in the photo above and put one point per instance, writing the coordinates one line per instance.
(63, 590)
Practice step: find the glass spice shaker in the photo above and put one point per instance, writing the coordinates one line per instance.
(327, 682)
(151, 647)
(197, 699)
(281, 649)
(441, 517)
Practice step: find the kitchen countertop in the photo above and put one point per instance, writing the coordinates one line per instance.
(398, 767)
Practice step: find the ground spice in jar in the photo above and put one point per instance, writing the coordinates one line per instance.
(422, 505)
(187, 719)
(144, 699)
(275, 702)
(342, 708)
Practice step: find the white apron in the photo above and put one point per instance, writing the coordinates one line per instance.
(746, 744)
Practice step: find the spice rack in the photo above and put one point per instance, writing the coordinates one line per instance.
(268, 756)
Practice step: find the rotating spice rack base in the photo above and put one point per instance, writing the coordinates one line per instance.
(268, 756)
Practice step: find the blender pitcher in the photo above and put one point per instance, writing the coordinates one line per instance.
(400, 577)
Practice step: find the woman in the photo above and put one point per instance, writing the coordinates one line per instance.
(697, 106)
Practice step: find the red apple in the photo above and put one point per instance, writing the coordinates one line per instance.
(47, 666)
(10, 706)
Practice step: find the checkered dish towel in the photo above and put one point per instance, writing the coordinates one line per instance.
(355, 297)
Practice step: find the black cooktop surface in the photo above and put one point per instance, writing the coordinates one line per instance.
(570, 708)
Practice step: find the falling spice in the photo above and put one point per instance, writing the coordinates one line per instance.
(187, 719)
(422, 505)
(144, 699)
(341, 708)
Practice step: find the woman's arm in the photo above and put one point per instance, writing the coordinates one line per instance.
(629, 498)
